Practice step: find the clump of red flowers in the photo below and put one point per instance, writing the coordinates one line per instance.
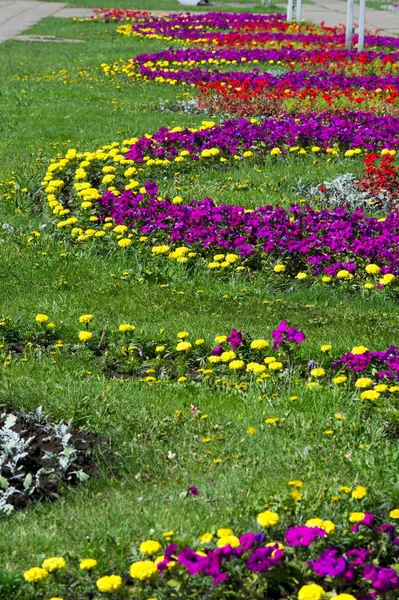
(381, 177)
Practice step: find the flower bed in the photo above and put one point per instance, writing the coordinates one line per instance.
(282, 558)
(236, 360)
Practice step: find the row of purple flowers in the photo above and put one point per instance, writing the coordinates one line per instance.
(347, 131)
(325, 240)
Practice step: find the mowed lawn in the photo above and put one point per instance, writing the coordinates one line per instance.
(53, 97)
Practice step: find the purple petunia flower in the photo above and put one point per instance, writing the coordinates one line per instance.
(329, 563)
(303, 536)
(192, 561)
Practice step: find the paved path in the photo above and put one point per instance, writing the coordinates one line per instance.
(18, 15)
(333, 12)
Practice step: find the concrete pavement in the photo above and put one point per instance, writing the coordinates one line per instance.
(333, 12)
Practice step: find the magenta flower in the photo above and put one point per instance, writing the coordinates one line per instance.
(303, 536)
(235, 338)
(329, 563)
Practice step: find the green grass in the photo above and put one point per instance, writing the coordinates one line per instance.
(219, 5)
(43, 112)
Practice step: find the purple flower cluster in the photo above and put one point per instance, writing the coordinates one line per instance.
(386, 363)
(284, 334)
(364, 571)
(301, 236)
(350, 130)
(261, 559)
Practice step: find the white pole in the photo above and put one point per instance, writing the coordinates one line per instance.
(298, 11)
(290, 10)
(362, 19)
(349, 25)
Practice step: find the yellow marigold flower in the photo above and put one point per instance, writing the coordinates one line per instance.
(54, 564)
(40, 318)
(387, 279)
(177, 200)
(272, 420)
(269, 359)
(236, 365)
(319, 372)
(56, 598)
(109, 583)
(223, 531)
(373, 269)
(35, 575)
(344, 274)
(359, 350)
(326, 279)
(183, 346)
(369, 286)
(228, 356)
(326, 348)
(296, 483)
(160, 249)
(183, 334)
(328, 526)
(296, 495)
(182, 379)
(370, 395)
(87, 564)
(381, 387)
(279, 268)
(312, 591)
(345, 489)
(220, 339)
(159, 348)
(85, 336)
(168, 534)
(85, 205)
(268, 518)
(124, 327)
(275, 366)
(256, 367)
(199, 342)
(259, 344)
(206, 538)
(359, 492)
(275, 151)
(231, 258)
(316, 522)
(355, 517)
(214, 359)
(344, 597)
(340, 379)
(363, 382)
(228, 540)
(86, 318)
(302, 276)
(150, 547)
(124, 242)
(394, 514)
(251, 431)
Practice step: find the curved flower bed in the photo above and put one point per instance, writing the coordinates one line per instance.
(245, 29)
(354, 131)
(235, 359)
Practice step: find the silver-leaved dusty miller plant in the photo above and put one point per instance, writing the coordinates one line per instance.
(14, 447)
(340, 192)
